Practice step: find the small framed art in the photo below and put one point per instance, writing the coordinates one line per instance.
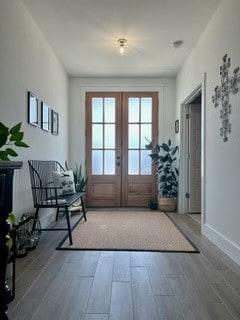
(176, 126)
(55, 125)
(32, 109)
(44, 116)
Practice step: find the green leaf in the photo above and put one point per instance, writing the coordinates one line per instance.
(174, 150)
(154, 156)
(4, 155)
(165, 158)
(3, 129)
(3, 139)
(9, 242)
(149, 146)
(165, 147)
(80, 181)
(157, 148)
(16, 128)
(11, 152)
(21, 144)
(11, 218)
(162, 178)
(17, 136)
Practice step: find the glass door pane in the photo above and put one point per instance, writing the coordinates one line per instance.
(139, 131)
(103, 135)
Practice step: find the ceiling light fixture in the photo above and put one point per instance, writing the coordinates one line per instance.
(122, 45)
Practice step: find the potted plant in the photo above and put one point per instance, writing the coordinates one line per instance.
(163, 156)
(153, 203)
(80, 184)
(80, 181)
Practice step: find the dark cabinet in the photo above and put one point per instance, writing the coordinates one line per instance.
(6, 191)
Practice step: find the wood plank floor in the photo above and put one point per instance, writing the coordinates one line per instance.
(93, 285)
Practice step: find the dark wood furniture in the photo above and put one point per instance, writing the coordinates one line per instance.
(6, 191)
(45, 192)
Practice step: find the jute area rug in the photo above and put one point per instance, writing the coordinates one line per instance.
(129, 231)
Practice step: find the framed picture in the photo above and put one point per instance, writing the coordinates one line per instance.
(176, 126)
(32, 109)
(44, 116)
(54, 123)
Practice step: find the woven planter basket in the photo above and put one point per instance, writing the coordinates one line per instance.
(166, 204)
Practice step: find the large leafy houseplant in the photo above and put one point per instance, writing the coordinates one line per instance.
(164, 157)
(9, 139)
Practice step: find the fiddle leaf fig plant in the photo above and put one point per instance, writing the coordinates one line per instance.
(163, 156)
(10, 138)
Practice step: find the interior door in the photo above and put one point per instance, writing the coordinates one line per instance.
(118, 167)
(195, 158)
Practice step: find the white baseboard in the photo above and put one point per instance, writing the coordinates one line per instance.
(228, 247)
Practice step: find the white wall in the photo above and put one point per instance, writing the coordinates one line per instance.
(78, 88)
(28, 63)
(222, 158)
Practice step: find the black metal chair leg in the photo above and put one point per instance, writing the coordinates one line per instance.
(83, 208)
(69, 226)
(56, 219)
(35, 219)
(36, 213)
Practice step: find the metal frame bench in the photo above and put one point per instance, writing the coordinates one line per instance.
(46, 194)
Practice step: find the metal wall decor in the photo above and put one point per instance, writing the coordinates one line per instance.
(228, 85)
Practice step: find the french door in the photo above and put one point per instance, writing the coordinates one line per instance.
(118, 167)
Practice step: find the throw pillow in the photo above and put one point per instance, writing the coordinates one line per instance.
(65, 181)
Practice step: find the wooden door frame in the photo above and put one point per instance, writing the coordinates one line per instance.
(192, 124)
(183, 172)
(88, 137)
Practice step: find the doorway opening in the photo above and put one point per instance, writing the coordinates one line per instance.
(194, 155)
(118, 166)
(192, 141)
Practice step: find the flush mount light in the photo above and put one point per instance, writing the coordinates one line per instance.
(177, 44)
(122, 45)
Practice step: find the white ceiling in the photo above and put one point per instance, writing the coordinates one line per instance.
(84, 33)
